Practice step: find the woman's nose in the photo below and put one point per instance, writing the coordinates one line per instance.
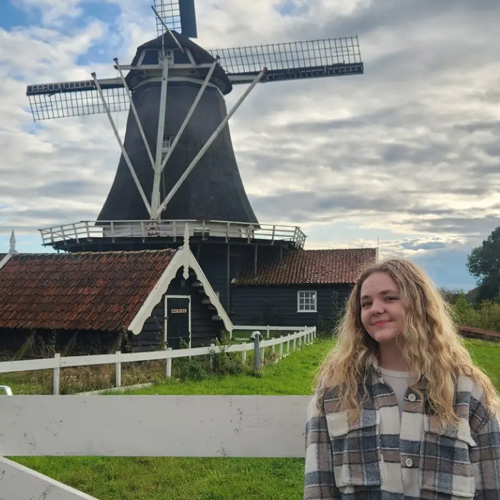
(378, 306)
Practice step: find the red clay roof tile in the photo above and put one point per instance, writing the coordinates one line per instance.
(304, 267)
(79, 291)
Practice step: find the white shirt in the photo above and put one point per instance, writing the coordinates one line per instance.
(398, 382)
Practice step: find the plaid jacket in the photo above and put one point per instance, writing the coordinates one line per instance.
(388, 457)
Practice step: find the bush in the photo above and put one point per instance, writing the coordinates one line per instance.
(486, 316)
(225, 363)
(193, 369)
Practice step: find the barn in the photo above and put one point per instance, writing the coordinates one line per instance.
(106, 301)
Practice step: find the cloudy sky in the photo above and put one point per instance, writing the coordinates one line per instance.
(405, 156)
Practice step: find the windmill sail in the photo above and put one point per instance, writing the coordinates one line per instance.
(60, 100)
(289, 61)
(178, 15)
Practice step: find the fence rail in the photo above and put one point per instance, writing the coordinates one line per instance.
(85, 230)
(161, 426)
(305, 335)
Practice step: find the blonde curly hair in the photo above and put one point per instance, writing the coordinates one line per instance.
(431, 345)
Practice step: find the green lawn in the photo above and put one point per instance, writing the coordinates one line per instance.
(216, 478)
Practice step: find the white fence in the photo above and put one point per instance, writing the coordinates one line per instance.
(174, 229)
(189, 426)
(285, 345)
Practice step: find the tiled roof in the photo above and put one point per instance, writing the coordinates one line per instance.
(303, 267)
(79, 291)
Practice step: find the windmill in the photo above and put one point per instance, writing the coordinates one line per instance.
(177, 161)
(178, 168)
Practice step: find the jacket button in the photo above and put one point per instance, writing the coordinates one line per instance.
(412, 397)
(408, 462)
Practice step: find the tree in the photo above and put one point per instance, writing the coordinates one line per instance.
(484, 263)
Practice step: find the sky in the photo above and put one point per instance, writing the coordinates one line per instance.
(404, 157)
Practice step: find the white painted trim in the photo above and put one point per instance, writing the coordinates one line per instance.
(166, 315)
(183, 257)
(212, 295)
(189, 426)
(315, 301)
(156, 294)
(5, 260)
(20, 483)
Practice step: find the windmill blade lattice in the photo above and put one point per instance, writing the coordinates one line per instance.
(61, 100)
(294, 60)
(178, 15)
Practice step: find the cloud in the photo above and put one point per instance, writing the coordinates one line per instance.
(409, 150)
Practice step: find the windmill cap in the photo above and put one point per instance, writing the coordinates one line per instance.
(200, 56)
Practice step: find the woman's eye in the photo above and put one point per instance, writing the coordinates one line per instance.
(364, 305)
(390, 299)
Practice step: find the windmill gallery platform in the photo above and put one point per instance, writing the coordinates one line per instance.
(178, 184)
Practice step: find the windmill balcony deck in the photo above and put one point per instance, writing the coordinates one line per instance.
(87, 235)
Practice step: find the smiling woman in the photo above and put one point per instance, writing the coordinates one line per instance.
(401, 410)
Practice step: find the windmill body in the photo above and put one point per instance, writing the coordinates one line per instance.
(214, 191)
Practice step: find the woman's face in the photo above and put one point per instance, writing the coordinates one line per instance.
(382, 311)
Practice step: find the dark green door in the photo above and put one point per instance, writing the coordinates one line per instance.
(178, 322)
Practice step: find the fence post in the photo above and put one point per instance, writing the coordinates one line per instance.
(243, 357)
(212, 350)
(57, 374)
(262, 353)
(294, 344)
(300, 342)
(256, 350)
(281, 347)
(169, 365)
(288, 347)
(272, 350)
(118, 377)
(267, 331)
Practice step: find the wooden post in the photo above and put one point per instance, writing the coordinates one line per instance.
(267, 331)
(281, 347)
(243, 357)
(57, 374)
(272, 350)
(300, 342)
(169, 365)
(294, 344)
(212, 349)
(262, 351)
(288, 348)
(118, 376)
(256, 350)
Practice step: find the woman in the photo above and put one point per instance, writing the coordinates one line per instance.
(401, 412)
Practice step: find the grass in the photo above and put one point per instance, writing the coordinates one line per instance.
(487, 356)
(83, 378)
(216, 478)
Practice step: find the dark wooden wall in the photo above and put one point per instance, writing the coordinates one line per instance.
(277, 305)
(213, 259)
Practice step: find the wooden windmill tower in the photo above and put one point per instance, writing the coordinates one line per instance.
(177, 165)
